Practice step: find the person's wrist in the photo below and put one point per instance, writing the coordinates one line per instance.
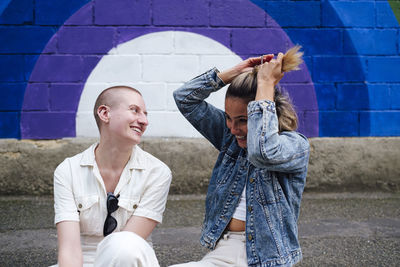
(223, 77)
(228, 75)
(265, 83)
(265, 90)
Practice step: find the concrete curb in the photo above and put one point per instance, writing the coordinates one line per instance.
(354, 164)
(336, 164)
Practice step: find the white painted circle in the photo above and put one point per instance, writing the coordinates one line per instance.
(155, 64)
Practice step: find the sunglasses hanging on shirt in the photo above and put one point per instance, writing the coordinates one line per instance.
(110, 223)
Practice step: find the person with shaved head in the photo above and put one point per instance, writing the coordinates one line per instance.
(109, 198)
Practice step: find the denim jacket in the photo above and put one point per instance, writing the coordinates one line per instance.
(273, 168)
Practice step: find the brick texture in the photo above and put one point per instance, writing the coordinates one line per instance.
(51, 52)
(18, 12)
(384, 69)
(341, 123)
(348, 14)
(291, 11)
(384, 15)
(38, 97)
(338, 69)
(56, 12)
(382, 123)
(85, 40)
(371, 44)
(395, 97)
(312, 38)
(239, 10)
(45, 125)
(17, 38)
(9, 125)
(11, 95)
(180, 12)
(122, 12)
(12, 69)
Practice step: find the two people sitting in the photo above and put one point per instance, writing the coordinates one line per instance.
(109, 198)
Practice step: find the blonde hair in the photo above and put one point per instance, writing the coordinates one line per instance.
(292, 59)
(244, 86)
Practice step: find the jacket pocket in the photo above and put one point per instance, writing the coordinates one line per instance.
(226, 169)
(266, 188)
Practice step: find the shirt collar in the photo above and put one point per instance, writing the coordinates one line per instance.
(136, 161)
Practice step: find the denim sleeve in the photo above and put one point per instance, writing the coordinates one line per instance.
(207, 119)
(287, 151)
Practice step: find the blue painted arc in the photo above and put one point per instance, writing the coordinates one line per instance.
(3, 5)
(338, 18)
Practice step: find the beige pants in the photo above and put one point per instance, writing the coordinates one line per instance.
(230, 251)
(125, 249)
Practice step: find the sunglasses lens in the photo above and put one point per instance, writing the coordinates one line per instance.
(112, 204)
(109, 225)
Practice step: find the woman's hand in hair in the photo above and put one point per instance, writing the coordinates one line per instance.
(269, 74)
(245, 66)
(271, 71)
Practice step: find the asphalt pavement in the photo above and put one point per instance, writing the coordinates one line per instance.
(336, 229)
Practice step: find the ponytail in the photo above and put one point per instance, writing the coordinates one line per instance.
(244, 86)
(292, 59)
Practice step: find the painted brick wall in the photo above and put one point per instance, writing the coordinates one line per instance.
(56, 56)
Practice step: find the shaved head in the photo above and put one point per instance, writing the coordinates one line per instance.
(110, 97)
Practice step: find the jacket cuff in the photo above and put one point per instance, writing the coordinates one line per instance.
(260, 105)
(212, 77)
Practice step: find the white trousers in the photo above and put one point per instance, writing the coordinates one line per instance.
(230, 251)
(122, 249)
(125, 249)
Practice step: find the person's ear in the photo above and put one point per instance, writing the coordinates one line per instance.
(103, 112)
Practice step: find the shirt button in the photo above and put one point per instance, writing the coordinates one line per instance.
(250, 237)
(251, 180)
(134, 206)
(80, 206)
(250, 208)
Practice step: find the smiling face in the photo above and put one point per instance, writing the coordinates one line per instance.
(124, 115)
(236, 119)
(128, 119)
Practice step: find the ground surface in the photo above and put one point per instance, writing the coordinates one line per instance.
(345, 229)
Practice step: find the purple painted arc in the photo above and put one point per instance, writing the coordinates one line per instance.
(75, 67)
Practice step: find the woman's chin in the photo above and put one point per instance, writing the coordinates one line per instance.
(242, 142)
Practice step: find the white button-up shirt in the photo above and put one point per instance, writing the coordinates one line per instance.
(80, 194)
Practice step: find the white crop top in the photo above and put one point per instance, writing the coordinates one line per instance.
(240, 212)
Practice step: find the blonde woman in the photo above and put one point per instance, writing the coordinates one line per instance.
(255, 190)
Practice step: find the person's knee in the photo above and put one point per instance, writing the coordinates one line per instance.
(124, 248)
(128, 244)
